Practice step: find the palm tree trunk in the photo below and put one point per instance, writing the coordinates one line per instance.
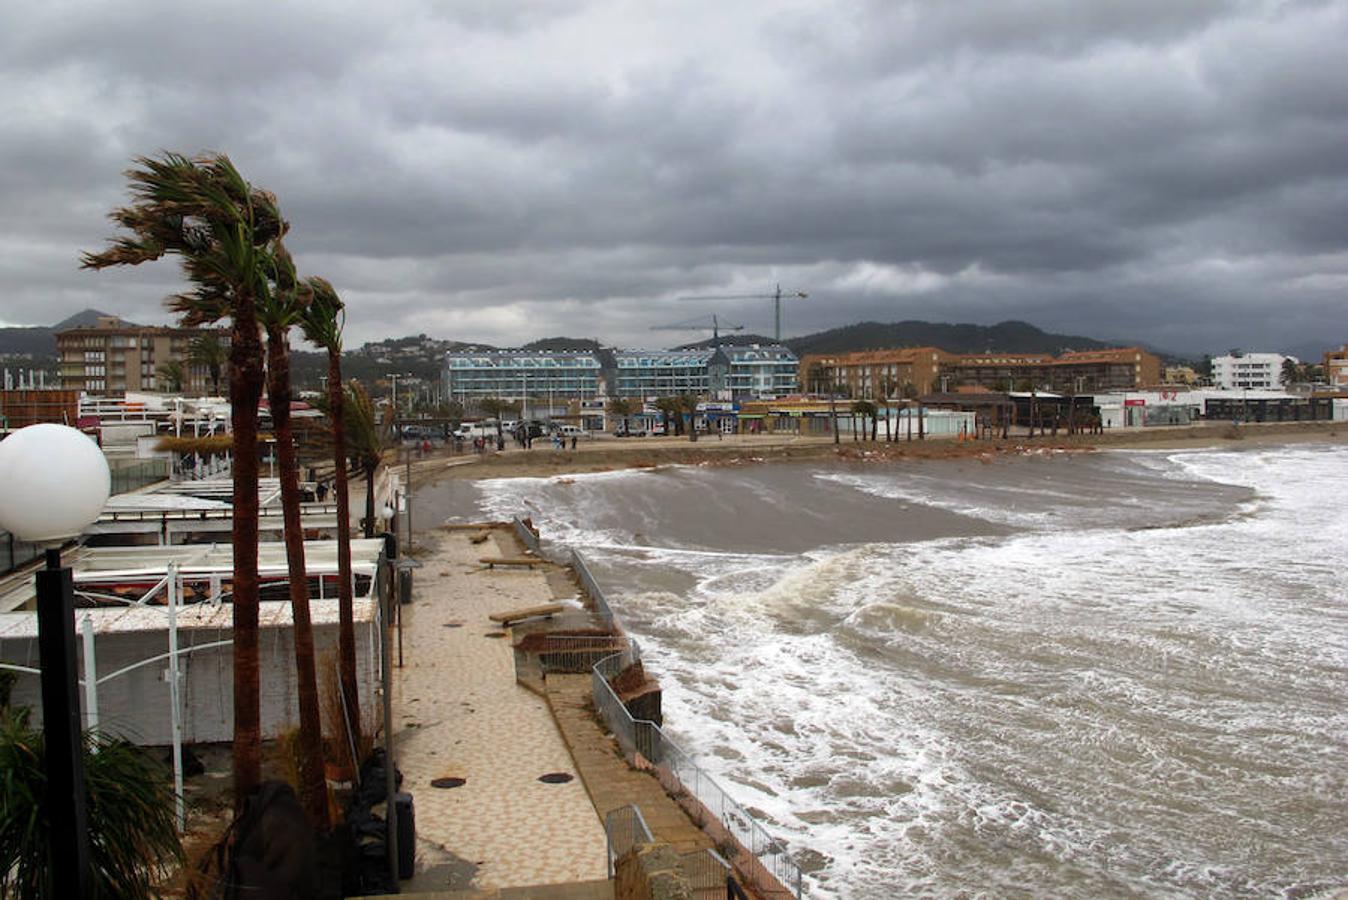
(346, 646)
(313, 789)
(245, 390)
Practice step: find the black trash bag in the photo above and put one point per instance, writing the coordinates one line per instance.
(270, 852)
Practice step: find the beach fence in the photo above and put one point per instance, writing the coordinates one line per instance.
(705, 870)
(770, 865)
(592, 588)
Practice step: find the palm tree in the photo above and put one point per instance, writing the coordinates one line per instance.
(686, 404)
(322, 321)
(366, 438)
(226, 234)
(495, 407)
(620, 406)
(172, 374)
(132, 821)
(211, 353)
(865, 409)
(283, 309)
(669, 409)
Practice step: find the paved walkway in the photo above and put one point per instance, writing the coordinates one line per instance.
(608, 778)
(459, 714)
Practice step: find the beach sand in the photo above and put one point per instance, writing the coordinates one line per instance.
(608, 454)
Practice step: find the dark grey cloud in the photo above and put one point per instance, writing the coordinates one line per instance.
(499, 171)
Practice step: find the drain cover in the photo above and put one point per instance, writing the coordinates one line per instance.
(494, 634)
(556, 778)
(453, 624)
(447, 783)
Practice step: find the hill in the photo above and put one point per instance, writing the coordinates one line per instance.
(38, 342)
(1005, 337)
(562, 343)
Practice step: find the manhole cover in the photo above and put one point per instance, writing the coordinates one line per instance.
(556, 778)
(494, 634)
(446, 783)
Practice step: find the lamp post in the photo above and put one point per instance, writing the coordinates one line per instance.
(53, 482)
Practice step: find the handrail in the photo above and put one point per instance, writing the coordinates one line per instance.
(645, 738)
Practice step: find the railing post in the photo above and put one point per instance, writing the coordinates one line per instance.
(175, 699)
(90, 678)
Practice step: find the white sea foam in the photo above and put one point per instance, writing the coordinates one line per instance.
(1121, 696)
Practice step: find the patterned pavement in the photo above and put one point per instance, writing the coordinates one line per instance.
(459, 714)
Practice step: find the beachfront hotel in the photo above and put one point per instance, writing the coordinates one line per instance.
(874, 374)
(114, 356)
(755, 370)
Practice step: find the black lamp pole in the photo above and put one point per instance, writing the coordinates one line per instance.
(68, 831)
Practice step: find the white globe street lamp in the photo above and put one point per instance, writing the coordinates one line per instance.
(54, 481)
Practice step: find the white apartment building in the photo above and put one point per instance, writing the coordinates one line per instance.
(1255, 371)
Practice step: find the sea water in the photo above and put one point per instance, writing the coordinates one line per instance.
(1081, 675)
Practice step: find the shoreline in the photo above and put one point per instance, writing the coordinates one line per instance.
(642, 453)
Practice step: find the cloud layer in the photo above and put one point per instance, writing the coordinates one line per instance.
(502, 171)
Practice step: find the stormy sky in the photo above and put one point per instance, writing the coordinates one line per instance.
(1173, 171)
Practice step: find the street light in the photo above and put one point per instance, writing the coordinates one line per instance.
(53, 482)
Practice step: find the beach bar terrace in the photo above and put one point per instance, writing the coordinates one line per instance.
(137, 606)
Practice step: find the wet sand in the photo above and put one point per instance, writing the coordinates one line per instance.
(608, 454)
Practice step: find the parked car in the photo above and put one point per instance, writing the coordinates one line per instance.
(630, 429)
(658, 428)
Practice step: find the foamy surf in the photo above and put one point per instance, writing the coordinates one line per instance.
(1106, 675)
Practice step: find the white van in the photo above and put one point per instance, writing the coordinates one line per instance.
(470, 430)
(570, 431)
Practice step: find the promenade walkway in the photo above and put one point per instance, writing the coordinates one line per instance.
(459, 714)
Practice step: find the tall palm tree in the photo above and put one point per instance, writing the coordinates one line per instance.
(669, 408)
(226, 234)
(686, 404)
(322, 321)
(283, 309)
(365, 441)
(622, 407)
(211, 353)
(865, 409)
(172, 374)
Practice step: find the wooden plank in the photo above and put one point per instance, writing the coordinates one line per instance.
(530, 561)
(528, 612)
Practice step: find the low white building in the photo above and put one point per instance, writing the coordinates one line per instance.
(1253, 371)
(130, 640)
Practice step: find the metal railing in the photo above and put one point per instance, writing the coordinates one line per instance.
(528, 537)
(592, 588)
(174, 515)
(704, 870)
(15, 552)
(624, 828)
(137, 475)
(575, 653)
(683, 779)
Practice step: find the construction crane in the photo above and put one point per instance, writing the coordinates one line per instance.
(776, 298)
(700, 324)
